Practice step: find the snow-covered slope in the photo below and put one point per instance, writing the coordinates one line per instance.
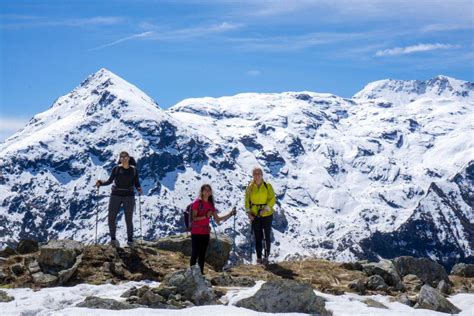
(342, 168)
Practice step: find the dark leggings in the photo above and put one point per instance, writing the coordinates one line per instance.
(128, 203)
(262, 227)
(199, 247)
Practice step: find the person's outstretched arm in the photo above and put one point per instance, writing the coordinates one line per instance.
(109, 181)
(224, 217)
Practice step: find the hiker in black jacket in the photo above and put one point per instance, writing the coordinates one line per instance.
(125, 178)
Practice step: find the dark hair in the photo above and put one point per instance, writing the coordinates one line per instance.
(131, 160)
(211, 197)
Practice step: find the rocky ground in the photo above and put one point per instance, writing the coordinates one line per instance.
(416, 282)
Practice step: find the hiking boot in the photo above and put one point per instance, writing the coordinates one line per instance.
(131, 243)
(265, 261)
(259, 261)
(114, 243)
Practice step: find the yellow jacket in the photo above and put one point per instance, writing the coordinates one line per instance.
(257, 198)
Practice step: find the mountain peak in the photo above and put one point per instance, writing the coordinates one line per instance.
(406, 91)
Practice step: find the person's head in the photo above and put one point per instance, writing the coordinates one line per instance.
(206, 193)
(257, 175)
(125, 159)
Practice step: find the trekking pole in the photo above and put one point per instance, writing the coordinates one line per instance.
(97, 215)
(140, 212)
(218, 245)
(233, 236)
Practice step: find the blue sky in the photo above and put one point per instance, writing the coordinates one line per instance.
(179, 49)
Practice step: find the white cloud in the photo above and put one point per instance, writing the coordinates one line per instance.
(18, 21)
(9, 125)
(446, 27)
(254, 72)
(179, 34)
(413, 49)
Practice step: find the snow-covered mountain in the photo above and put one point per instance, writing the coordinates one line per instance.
(343, 169)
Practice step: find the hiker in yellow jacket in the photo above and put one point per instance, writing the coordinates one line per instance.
(259, 202)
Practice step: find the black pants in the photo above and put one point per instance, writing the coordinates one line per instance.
(199, 247)
(115, 203)
(262, 227)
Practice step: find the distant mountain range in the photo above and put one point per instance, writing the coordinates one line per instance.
(385, 173)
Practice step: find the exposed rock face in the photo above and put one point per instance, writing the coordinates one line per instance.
(428, 271)
(27, 246)
(105, 303)
(373, 303)
(464, 270)
(376, 283)
(285, 296)
(192, 285)
(387, 271)
(217, 253)
(430, 298)
(225, 279)
(59, 255)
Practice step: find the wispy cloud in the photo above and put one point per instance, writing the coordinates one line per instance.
(254, 73)
(446, 27)
(413, 49)
(175, 35)
(20, 21)
(9, 125)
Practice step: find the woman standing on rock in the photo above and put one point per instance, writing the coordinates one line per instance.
(259, 202)
(202, 211)
(125, 178)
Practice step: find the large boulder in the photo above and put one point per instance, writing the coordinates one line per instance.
(217, 253)
(387, 271)
(463, 270)
(105, 303)
(26, 246)
(7, 252)
(376, 283)
(191, 285)
(285, 296)
(428, 271)
(59, 255)
(430, 298)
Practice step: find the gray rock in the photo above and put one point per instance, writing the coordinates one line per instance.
(26, 246)
(4, 297)
(412, 283)
(105, 303)
(387, 271)
(430, 298)
(59, 255)
(191, 285)
(428, 271)
(373, 303)
(404, 299)
(166, 291)
(43, 279)
(7, 252)
(353, 266)
(18, 269)
(357, 286)
(444, 287)
(151, 300)
(285, 296)
(463, 270)
(34, 267)
(225, 279)
(217, 259)
(376, 283)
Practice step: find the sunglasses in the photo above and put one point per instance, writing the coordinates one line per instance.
(123, 157)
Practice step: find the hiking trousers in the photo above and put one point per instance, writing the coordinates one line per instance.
(262, 228)
(199, 247)
(128, 203)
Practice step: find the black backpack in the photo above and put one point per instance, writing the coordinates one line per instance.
(188, 215)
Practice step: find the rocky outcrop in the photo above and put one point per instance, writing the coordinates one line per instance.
(26, 246)
(105, 303)
(217, 253)
(464, 270)
(225, 279)
(387, 271)
(425, 269)
(285, 296)
(430, 298)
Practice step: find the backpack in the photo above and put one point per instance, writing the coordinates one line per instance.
(188, 215)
